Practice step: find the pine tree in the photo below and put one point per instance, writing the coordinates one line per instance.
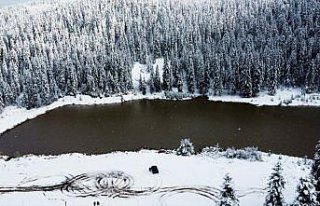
(205, 82)
(315, 171)
(167, 80)
(186, 148)
(246, 83)
(245, 76)
(306, 196)
(228, 195)
(191, 78)
(157, 80)
(275, 187)
(140, 83)
(217, 77)
(311, 78)
(151, 82)
(144, 87)
(1, 102)
(179, 82)
(256, 80)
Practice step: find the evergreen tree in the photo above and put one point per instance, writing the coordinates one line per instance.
(256, 80)
(275, 187)
(246, 83)
(306, 196)
(311, 78)
(186, 148)
(179, 83)
(141, 84)
(167, 80)
(272, 81)
(1, 103)
(151, 82)
(157, 80)
(191, 78)
(144, 87)
(228, 195)
(245, 75)
(315, 171)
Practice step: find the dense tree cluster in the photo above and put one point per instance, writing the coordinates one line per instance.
(210, 47)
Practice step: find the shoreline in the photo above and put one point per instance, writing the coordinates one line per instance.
(48, 171)
(13, 116)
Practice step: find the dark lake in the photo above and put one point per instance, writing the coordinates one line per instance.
(161, 124)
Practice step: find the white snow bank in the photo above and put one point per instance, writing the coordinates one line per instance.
(198, 171)
(283, 97)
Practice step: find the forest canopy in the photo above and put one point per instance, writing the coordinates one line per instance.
(211, 47)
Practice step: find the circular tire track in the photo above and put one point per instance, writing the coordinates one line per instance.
(117, 184)
(97, 184)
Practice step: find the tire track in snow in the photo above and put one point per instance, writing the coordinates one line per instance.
(117, 184)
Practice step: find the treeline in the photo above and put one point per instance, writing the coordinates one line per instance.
(210, 47)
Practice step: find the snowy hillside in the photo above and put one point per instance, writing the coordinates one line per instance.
(124, 179)
(52, 49)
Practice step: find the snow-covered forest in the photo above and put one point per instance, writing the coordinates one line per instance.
(212, 47)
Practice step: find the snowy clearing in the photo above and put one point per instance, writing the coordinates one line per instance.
(141, 70)
(122, 178)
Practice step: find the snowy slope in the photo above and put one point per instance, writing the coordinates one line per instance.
(180, 182)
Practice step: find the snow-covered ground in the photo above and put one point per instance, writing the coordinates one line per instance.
(283, 97)
(123, 178)
(11, 2)
(141, 70)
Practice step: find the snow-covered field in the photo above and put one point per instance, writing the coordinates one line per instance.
(123, 178)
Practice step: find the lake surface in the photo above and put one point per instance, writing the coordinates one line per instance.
(161, 124)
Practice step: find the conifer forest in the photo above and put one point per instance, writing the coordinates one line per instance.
(209, 47)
